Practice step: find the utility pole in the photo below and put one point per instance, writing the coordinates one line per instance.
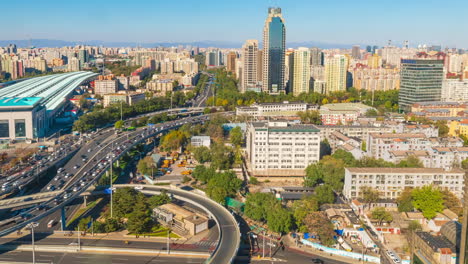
(263, 256)
(79, 245)
(270, 246)
(168, 240)
(121, 110)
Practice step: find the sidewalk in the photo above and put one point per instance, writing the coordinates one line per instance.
(111, 236)
(290, 244)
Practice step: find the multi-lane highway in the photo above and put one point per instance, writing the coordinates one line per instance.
(83, 170)
(91, 162)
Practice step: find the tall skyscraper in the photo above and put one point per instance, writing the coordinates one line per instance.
(249, 64)
(299, 71)
(213, 58)
(356, 52)
(336, 68)
(274, 47)
(83, 56)
(231, 61)
(260, 66)
(316, 57)
(421, 81)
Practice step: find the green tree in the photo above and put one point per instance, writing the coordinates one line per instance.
(124, 201)
(83, 224)
(410, 162)
(139, 222)
(112, 225)
(146, 166)
(333, 172)
(160, 199)
(223, 185)
(222, 156)
(371, 113)
(203, 174)
(405, 201)
(443, 128)
(253, 180)
(119, 124)
(310, 117)
(428, 200)
(236, 136)
(173, 140)
(369, 195)
(279, 219)
(325, 194)
(381, 215)
(301, 208)
(414, 226)
(345, 156)
(257, 205)
(314, 175)
(202, 154)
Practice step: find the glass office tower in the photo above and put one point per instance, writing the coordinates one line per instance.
(421, 81)
(274, 47)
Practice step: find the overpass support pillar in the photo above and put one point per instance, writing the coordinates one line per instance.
(117, 163)
(63, 219)
(85, 200)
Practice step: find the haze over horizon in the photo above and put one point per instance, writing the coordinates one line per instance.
(336, 22)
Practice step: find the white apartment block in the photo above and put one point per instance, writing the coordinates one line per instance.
(274, 109)
(361, 132)
(390, 182)
(454, 90)
(379, 145)
(446, 158)
(281, 149)
(105, 86)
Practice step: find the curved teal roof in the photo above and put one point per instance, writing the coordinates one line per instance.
(53, 89)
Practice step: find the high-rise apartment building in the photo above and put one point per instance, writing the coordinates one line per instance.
(260, 66)
(231, 61)
(336, 68)
(74, 64)
(281, 149)
(356, 52)
(316, 57)
(249, 64)
(213, 58)
(421, 81)
(274, 47)
(299, 71)
(83, 56)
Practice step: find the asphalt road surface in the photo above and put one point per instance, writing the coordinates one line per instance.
(82, 258)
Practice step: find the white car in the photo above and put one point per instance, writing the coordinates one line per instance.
(139, 187)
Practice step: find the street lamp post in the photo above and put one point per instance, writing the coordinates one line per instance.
(32, 226)
(79, 245)
(111, 189)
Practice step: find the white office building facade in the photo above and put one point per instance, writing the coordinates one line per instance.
(281, 149)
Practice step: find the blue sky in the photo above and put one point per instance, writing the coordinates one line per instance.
(329, 21)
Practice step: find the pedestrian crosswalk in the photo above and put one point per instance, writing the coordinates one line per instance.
(206, 243)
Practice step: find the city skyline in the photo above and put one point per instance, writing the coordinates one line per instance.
(193, 22)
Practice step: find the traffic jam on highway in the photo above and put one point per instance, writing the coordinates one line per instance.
(38, 163)
(88, 165)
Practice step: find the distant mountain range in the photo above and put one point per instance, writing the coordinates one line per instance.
(51, 43)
